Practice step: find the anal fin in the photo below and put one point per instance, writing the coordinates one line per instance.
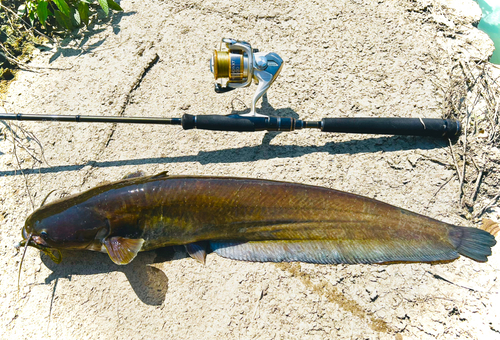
(334, 251)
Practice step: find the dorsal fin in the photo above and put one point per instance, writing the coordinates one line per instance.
(135, 174)
(161, 175)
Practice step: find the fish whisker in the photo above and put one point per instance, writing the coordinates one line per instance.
(22, 259)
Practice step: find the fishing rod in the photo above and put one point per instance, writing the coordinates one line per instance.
(236, 67)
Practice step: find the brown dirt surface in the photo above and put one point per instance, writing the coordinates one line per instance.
(346, 58)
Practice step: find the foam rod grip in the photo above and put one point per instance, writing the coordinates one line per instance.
(223, 123)
(237, 123)
(393, 126)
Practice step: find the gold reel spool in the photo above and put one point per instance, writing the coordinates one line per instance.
(229, 64)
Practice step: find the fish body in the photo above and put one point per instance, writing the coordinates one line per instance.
(247, 219)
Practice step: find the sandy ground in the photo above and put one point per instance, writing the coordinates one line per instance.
(342, 58)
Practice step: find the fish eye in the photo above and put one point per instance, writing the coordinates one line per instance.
(44, 235)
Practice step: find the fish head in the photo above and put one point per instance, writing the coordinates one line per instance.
(60, 227)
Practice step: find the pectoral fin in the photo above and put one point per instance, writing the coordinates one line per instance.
(197, 251)
(122, 250)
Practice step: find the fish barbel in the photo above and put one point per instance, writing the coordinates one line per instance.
(246, 219)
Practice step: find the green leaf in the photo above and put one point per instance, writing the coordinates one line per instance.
(76, 16)
(83, 9)
(63, 7)
(104, 6)
(32, 18)
(63, 20)
(21, 10)
(114, 6)
(42, 12)
(31, 6)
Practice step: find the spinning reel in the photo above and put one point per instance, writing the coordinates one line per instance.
(239, 64)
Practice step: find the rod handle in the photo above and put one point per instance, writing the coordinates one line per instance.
(237, 123)
(393, 126)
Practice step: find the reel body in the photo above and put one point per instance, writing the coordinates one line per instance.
(239, 64)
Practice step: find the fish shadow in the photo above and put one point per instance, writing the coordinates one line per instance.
(149, 283)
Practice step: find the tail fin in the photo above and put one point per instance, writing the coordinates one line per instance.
(472, 242)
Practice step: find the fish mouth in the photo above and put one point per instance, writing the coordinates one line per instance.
(33, 241)
(38, 243)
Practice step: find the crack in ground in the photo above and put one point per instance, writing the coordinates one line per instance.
(152, 60)
(326, 289)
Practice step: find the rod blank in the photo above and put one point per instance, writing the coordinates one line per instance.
(90, 119)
